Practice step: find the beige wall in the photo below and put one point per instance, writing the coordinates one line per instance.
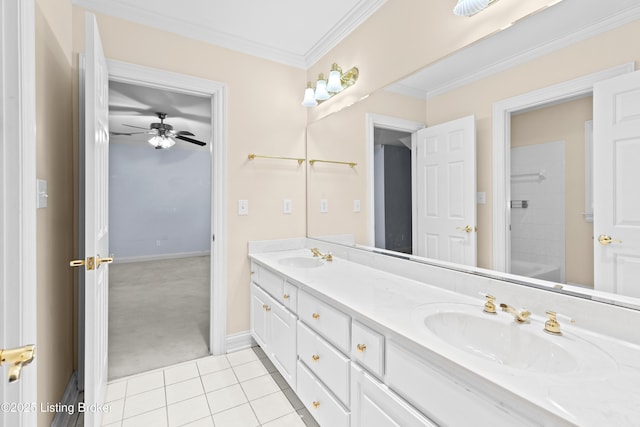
(598, 53)
(55, 224)
(264, 116)
(340, 137)
(565, 122)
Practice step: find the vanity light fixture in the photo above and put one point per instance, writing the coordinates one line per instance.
(471, 7)
(162, 141)
(326, 88)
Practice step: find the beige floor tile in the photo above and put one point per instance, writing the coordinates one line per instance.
(180, 373)
(185, 390)
(157, 418)
(226, 398)
(218, 380)
(188, 411)
(259, 387)
(145, 382)
(240, 416)
(290, 420)
(270, 407)
(144, 402)
(250, 370)
(241, 357)
(213, 364)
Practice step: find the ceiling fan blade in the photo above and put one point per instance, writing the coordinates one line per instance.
(137, 127)
(191, 140)
(126, 133)
(185, 132)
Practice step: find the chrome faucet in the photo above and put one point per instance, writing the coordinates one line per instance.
(519, 316)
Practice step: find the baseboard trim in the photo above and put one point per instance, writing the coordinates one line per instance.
(161, 257)
(69, 400)
(240, 341)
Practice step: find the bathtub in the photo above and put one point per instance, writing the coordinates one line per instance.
(536, 270)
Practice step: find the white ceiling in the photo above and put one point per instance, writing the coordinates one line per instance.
(294, 32)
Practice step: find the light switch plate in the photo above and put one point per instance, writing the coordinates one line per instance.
(481, 197)
(42, 193)
(324, 206)
(287, 206)
(243, 207)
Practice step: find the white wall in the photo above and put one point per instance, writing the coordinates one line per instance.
(159, 201)
(538, 231)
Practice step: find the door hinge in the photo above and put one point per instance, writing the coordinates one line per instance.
(213, 238)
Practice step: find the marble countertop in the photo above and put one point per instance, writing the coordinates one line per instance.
(605, 391)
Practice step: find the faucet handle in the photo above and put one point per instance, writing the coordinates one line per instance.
(552, 326)
(315, 252)
(490, 305)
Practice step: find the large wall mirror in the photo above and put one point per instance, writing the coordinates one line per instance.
(527, 94)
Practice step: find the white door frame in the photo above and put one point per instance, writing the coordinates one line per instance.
(166, 80)
(502, 111)
(393, 123)
(18, 308)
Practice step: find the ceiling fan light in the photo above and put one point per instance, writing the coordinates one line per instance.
(155, 140)
(309, 97)
(321, 89)
(469, 7)
(167, 142)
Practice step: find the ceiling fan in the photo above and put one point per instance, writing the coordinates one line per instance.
(163, 133)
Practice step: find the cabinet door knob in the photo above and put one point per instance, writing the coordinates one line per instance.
(316, 404)
(361, 347)
(316, 316)
(315, 357)
(285, 296)
(266, 307)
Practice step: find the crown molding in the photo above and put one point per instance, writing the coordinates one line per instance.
(358, 14)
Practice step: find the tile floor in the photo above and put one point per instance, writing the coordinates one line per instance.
(241, 389)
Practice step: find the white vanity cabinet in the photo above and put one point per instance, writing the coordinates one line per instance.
(373, 404)
(273, 327)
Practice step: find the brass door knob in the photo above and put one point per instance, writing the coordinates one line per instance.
(316, 404)
(361, 347)
(607, 240)
(316, 316)
(466, 229)
(315, 357)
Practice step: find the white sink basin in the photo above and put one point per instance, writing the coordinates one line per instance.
(498, 338)
(301, 262)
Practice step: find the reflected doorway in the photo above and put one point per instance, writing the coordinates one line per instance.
(392, 189)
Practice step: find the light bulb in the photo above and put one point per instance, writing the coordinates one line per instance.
(309, 97)
(155, 140)
(334, 84)
(469, 7)
(321, 89)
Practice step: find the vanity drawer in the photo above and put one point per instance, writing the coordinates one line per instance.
(367, 348)
(326, 320)
(327, 363)
(323, 406)
(440, 396)
(289, 297)
(271, 282)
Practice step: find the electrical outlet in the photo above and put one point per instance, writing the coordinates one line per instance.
(243, 207)
(324, 206)
(356, 205)
(481, 197)
(287, 206)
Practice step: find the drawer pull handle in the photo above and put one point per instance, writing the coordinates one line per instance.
(266, 307)
(316, 404)
(316, 316)
(285, 296)
(361, 347)
(315, 357)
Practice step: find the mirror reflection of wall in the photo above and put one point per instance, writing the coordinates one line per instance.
(551, 238)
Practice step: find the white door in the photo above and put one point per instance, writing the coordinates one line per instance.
(95, 196)
(446, 191)
(17, 214)
(616, 200)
